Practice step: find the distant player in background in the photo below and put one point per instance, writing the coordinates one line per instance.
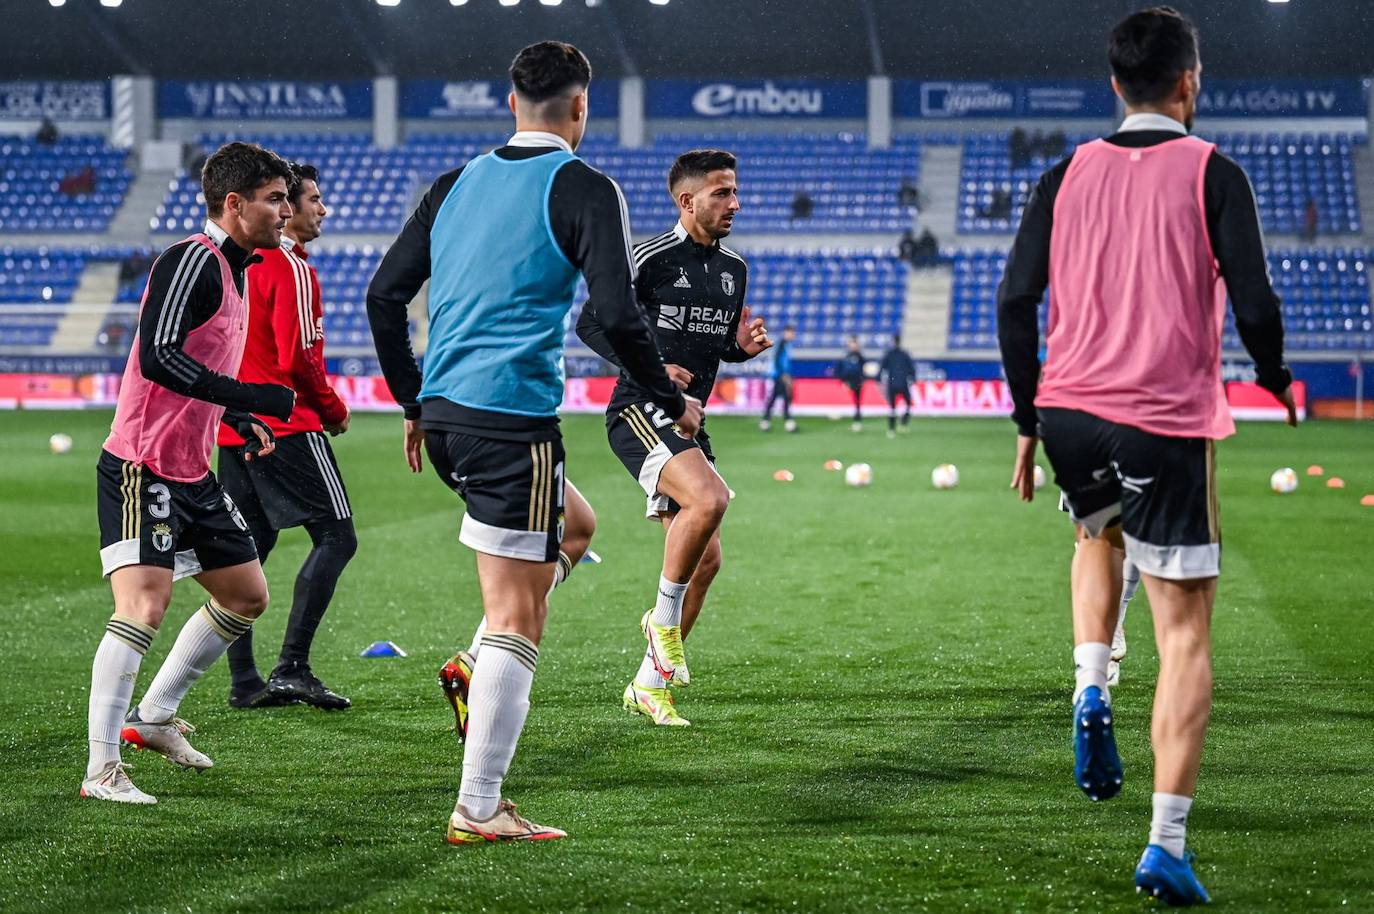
(163, 516)
(850, 370)
(693, 289)
(1130, 401)
(501, 241)
(781, 373)
(898, 373)
(301, 485)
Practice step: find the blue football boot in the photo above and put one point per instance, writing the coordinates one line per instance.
(1162, 875)
(1097, 767)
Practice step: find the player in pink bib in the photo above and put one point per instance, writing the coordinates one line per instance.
(1139, 237)
(163, 515)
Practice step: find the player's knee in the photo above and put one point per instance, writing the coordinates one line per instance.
(249, 603)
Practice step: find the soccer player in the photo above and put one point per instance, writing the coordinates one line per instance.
(163, 516)
(693, 289)
(501, 241)
(782, 382)
(850, 371)
(899, 373)
(301, 485)
(1140, 237)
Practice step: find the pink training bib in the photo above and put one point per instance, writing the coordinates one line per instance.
(1136, 299)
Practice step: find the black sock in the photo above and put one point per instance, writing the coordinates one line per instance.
(243, 669)
(891, 422)
(335, 542)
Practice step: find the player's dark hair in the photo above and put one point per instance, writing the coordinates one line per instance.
(1149, 51)
(239, 168)
(547, 69)
(698, 163)
(300, 173)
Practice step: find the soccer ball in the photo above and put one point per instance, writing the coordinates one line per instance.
(1284, 480)
(1038, 477)
(945, 476)
(60, 443)
(858, 475)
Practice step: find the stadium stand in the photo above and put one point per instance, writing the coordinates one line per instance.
(1286, 169)
(1325, 294)
(73, 185)
(35, 285)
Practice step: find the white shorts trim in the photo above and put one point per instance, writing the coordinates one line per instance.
(117, 555)
(652, 468)
(529, 545)
(124, 553)
(186, 564)
(1175, 563)
(1095, 522)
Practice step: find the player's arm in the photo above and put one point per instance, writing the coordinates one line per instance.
(592, 227)
(590, 332)
(291, 288)
(398, 279)
(181, 297)
(1238, 245)
(1018, 298)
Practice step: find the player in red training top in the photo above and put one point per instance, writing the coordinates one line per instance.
(162, 514)
(301, 484)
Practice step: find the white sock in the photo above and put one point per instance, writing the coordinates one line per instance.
(117, 660)
(204, 637)
(1090, 667)
(561, 570)
(668, 609)
(648, 676)
(1130, 580)
(498, 702)
(1169, 827)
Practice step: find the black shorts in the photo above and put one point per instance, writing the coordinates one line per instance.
(643, 437)
(188, 527)
(298, 483)
(899, 393)
(1162, 490)
(513, 491)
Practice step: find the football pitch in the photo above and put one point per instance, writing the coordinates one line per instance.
(879, 700)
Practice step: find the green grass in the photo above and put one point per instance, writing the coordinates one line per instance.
(879, 705)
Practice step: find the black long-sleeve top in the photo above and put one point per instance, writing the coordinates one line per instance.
(587, 214)
(1237, 243)
(185, 291)
(693, 294)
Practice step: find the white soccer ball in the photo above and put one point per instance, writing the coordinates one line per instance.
(60, 443)
(945, 476)
(1038, 477)
(872, 369)
(858, 475)
(1284, 480)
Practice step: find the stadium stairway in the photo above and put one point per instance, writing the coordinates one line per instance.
(131, 223)
(90, 305)
(1363, 159)
(925, 327)
(940, 185)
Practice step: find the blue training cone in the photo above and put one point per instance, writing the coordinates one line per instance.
(590, 557)
(382, 649)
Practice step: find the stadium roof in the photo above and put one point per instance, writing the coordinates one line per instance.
(824, 38)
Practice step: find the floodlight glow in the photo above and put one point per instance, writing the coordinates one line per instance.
(457, 2)
(57, 2)
(388, 2)
(112, 4)
(659, 2)
(550, 2)
(509, 2)
(1278, 1)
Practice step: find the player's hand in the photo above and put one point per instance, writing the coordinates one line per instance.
(1023, 473)
(678, 375)
(752, 335)
(338, 428)
(414, 444)
(1286, 398)
(689, 423)
(265, 438)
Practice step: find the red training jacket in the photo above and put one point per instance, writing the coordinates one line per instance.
(286, 341)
